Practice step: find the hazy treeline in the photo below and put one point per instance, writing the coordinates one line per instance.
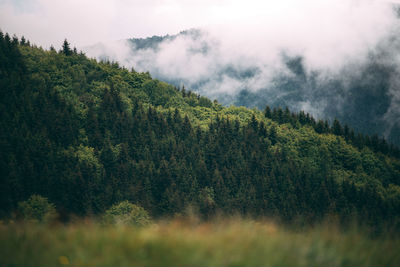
(359, 140)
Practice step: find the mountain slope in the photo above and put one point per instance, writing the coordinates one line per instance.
(87, 134)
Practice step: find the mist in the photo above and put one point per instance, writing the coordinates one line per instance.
(333, 59)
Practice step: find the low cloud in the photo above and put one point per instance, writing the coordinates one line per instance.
(332, 58)
(317, 56)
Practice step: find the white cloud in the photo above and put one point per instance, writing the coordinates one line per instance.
(328, 33)
(85, 22)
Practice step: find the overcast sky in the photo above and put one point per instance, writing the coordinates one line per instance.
(85, 22)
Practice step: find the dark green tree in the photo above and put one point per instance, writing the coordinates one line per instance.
(66, 49)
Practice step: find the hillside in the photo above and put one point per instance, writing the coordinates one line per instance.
(88, 134)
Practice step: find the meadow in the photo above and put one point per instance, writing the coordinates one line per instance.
(229, 242)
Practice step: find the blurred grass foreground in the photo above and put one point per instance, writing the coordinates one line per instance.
(235, 242)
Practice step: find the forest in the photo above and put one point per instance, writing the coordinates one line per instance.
(87, 135)
(86, 141)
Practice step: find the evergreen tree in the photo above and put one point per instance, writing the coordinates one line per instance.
(337, 128)
(267, 112)
(66, 50)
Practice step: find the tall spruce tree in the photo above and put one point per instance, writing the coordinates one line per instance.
(66, 49)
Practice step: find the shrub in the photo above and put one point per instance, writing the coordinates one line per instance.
(37, 209)
(125, 213)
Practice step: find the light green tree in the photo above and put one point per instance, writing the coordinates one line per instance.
(126, 213)
(37, 209)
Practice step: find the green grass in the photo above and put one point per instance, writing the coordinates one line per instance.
(227, 243)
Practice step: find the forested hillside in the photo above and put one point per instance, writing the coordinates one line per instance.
(88, 134)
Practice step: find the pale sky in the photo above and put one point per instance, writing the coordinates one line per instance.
(85, 22)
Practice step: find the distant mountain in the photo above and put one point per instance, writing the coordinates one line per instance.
(155, 41)
(364, 95)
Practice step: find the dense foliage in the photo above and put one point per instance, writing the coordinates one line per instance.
(87, 135)
(359, 140)
(37, 209)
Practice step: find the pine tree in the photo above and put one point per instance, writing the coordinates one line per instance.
(66, 50)
(23, 41)
(267, 112)
(337, 128)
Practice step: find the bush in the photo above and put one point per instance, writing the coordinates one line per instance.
(126, 213)
(37, 209)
